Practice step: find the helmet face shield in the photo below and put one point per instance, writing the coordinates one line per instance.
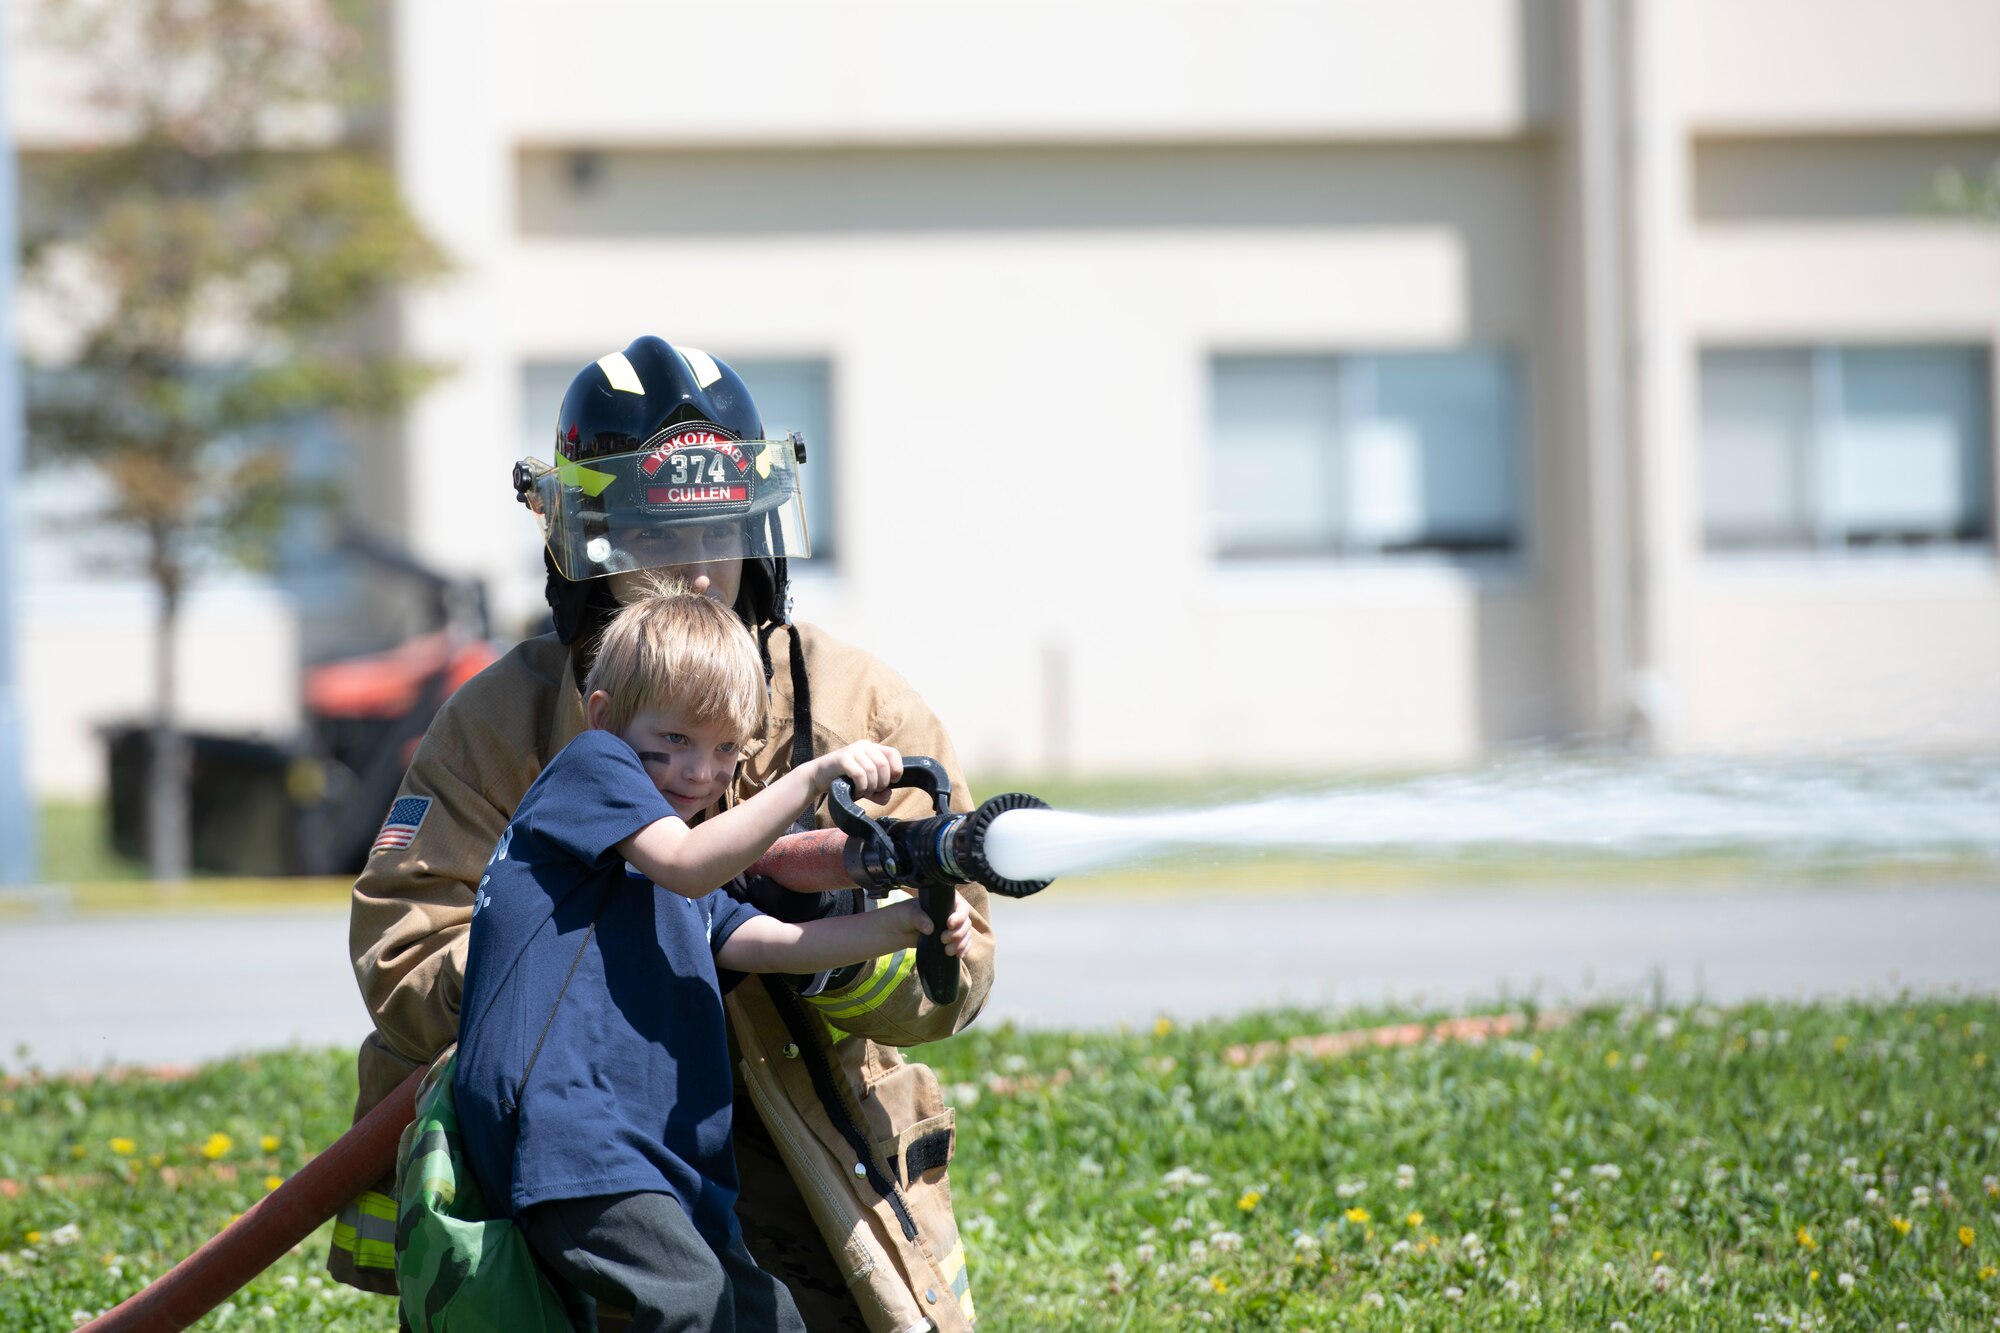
(691, 497)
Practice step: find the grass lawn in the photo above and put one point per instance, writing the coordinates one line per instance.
(1833, 1166)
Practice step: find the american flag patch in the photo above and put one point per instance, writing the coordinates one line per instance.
(401, 826)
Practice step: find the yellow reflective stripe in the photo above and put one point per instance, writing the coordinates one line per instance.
(953, 1264)
(592, 480)
(620, 374)
(869, 992)
(366, 1229)
(367, 1253)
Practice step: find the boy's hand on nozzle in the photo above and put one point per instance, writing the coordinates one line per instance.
(869, 765)
(957, 926)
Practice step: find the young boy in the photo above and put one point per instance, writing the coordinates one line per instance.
(593, 1080)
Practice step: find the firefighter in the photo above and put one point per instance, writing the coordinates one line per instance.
(661, 461)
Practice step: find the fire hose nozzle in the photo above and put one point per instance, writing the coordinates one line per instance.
(930, 856)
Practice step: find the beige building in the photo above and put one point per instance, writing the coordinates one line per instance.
(1232, 384)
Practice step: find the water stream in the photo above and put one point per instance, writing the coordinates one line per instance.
(1875, 808)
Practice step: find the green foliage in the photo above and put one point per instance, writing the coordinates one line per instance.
(1968, 195)
(1668, 1169)
(221, 260)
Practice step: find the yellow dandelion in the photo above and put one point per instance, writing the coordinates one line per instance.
(1218, 1284)
(1357, 1215)
(1902, 1225)
(1659, 1255)
(156, 1160)
(1535, 1056)
(1611, 1059)
(1806, 1240)
(217, 1145)
(1251, 1198)
(1993, 1189)
(124, 1147)
(1965, 1237)
(34, 1237)
(1840, 1043)
(1415, 1220)
(1813, 1276)
(76, 1151)
(269, 1143)
(272, 1182)
(1162, 1026)
(1986, 1273)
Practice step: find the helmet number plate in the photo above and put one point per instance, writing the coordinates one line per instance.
(697, 475)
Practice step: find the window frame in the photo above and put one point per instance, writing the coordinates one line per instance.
(1355, 389)
(1825, 533)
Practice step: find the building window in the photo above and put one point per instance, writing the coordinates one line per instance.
(1829, 448)
(792, 394)
(1392, 453)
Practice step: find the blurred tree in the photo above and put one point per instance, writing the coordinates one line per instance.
(1974, 196)
(222, 260)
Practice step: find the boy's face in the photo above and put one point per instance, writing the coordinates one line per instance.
(690, 763)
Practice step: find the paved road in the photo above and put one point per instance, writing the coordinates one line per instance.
(80, 993)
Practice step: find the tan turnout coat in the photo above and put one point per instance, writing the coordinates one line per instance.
(823, 1073)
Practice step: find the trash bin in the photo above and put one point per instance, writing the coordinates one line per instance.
(243, 811)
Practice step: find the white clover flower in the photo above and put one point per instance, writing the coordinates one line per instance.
(289, 1282)
(1406, 1177)
(1197, 1251)
(1851, 1225)
(1782, 1190)
(1373, 1300)
(1846, 1281)
(1227, 1241)
(1145, 1253)
(1305, 1242)
(1608, 1269)
(78, 1318)
(1872, 1196)
(1454, 1294)
(69, 1233)
(1559, 1221)
(1663, 1277)
(1115, 1274)
(1512, 1286)
(1090, 1167)
(1400, 1247)
(1347, 1189)
(1605, 1171)
(1564, 1173)
(1183, 1223)
(1664, 1029)
(1620, 1326)
(266, 1312)
(1850, 1163)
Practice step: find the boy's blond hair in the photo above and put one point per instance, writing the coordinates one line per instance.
(675, 649)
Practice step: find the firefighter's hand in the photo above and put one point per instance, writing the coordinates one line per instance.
(957, 926)
(869, 765)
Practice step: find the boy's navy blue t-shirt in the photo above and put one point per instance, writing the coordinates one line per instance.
(631, 1089)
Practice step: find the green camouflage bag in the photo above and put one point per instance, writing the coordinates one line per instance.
(459, 1269)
